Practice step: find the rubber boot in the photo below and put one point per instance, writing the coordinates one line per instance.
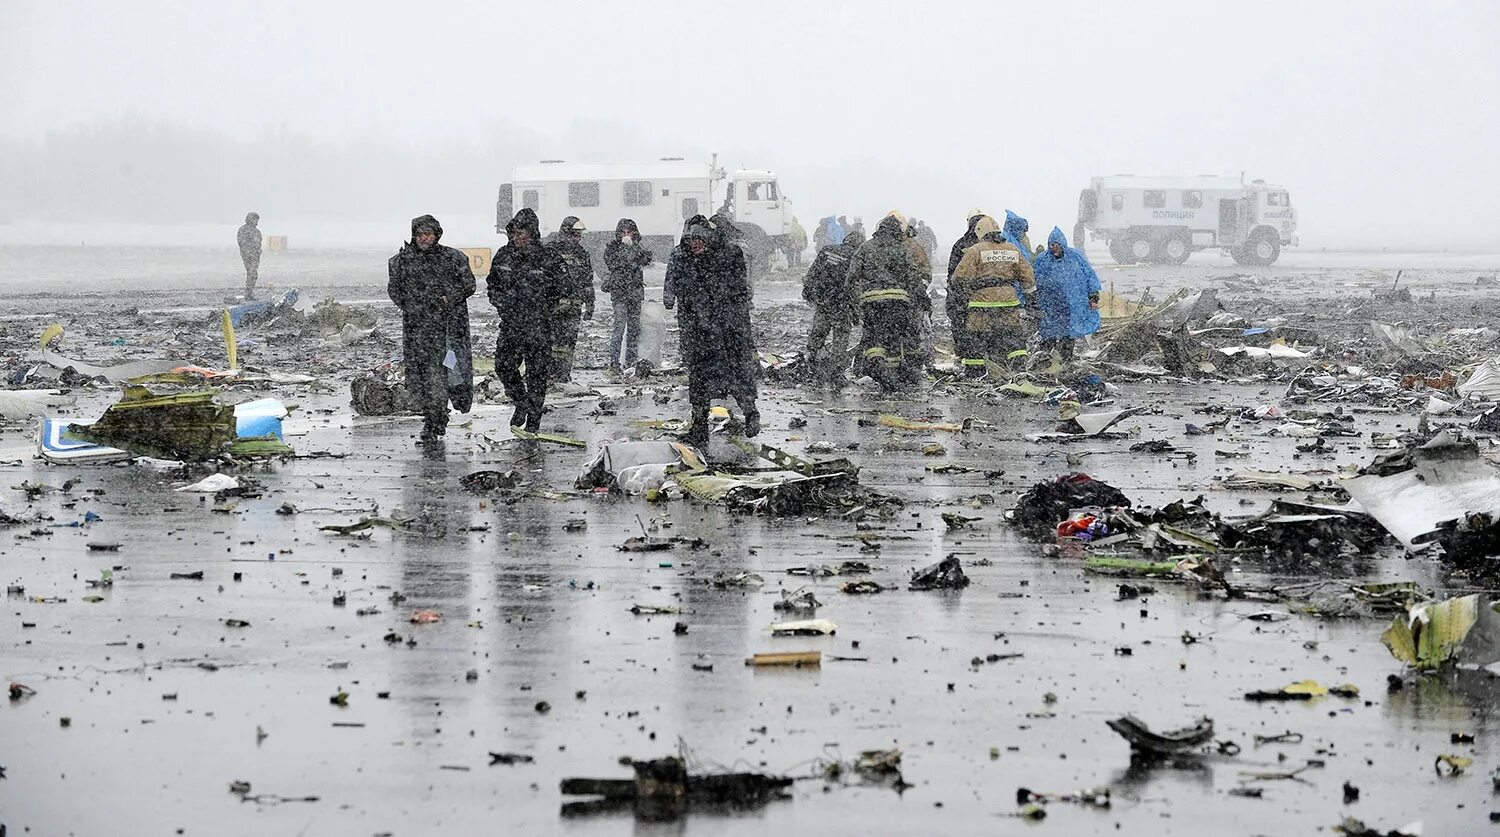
(697, 434)
(518, 419)
(752, 423)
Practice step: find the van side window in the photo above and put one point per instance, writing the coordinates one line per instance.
(1116, 202)
(529, 200)
(637, 193)
(583, 194)
(1192, 200)
(689, 208)
(1155, 198)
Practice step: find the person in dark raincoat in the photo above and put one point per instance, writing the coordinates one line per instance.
(892, 299)
(993, 280)
(526, 283)
(1067, 290)
(708, 283)
(624, 259)
(248, 237)
(826, 286)
(953, 305)
(577, 303)
(431, 284)
(1015, 232)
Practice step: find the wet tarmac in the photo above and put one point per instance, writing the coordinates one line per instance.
(149, 703)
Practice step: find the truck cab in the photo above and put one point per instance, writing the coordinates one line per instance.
(1165, 219)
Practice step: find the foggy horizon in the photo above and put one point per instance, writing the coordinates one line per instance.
(164, 116)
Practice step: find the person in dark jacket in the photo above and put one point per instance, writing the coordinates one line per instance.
(955, 304)
(624, 260)
(526, 284)
(431, 284)
(826, 286)
(669, 286)
(892, 299)
(577, 303)
(249, 240)
(709, 284)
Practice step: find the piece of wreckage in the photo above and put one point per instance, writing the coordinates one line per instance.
(663, 790)
(1462, 632)
(1441, 492)
(795, 487)
(185, 426)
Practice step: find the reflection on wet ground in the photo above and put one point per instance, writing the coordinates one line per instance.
(165, 701)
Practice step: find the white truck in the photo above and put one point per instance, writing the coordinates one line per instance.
(659, 196)
(1165, 219)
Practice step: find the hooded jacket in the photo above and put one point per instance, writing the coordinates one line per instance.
(991, 278)
(526, 283)
(432, 288)
(624, 263)
(578, 270)
(827, 281)
(674, 258)
(1064, 288)
(712, 293)
(1015, 232)
(248, 237)
(883, 268)
(964, 242)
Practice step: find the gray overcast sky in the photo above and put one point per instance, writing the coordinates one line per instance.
(1380, 118)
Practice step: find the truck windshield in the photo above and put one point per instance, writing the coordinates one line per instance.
(764, 190)
(1278, 199)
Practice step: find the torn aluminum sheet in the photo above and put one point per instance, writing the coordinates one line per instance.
(1464, 630)
(1264, 479)
(1446, 479)
(1484, 382)
(26, 403)
(1275, 351)
(1397, 339)
(1086, 425)
(804, 627)
(604, 470)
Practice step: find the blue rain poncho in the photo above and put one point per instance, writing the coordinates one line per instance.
(1015, 231)
(1063, 287)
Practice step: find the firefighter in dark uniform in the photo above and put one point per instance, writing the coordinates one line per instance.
(577, 303)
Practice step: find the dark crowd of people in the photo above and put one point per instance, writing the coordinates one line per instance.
(998, 290)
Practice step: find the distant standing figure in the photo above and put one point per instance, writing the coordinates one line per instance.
(1015, 232)
(826, 286)
(708, 276)
(1067, 290)
(993, 280)
(799, 243)
(525, 285)
(624, 262)
(892, 299)
(577, 303)
(249, 240)
(431, 284)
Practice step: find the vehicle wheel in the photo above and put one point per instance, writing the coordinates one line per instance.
(1239, 255)
(1175, 250)
(1263, 248)
(1141, 250)
(1118, 251)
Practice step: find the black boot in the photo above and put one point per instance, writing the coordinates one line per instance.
(752, 423)
(534, 422)
(518, 419)
(697, 434)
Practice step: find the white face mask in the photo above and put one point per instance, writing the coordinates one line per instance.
(627, 239)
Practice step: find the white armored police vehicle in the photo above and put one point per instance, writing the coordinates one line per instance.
(659, 196)
(1165, 219)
